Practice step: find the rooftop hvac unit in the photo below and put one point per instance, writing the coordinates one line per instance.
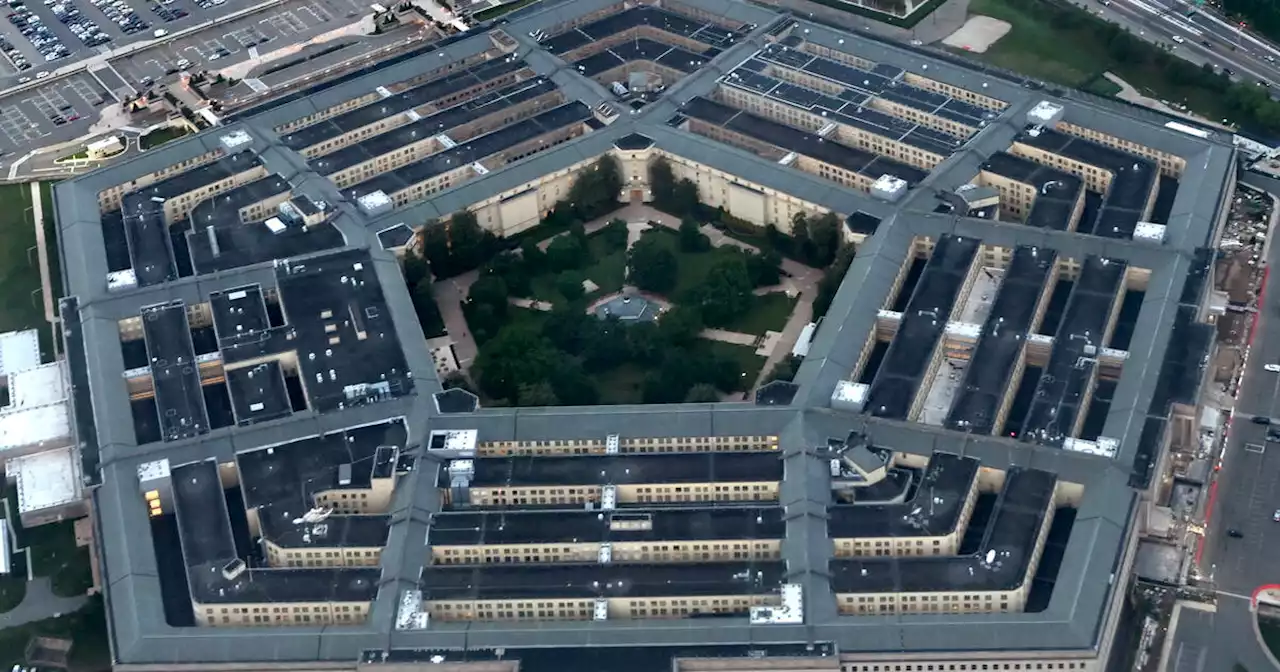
(889, 188)
(233, 569)
(1045, 114)
(236, 141)
(1149, 232)
(375, 203)
(849, 396)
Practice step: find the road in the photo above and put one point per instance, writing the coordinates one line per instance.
(1159, 21)
(1245, 495)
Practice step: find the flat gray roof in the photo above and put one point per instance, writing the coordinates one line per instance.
(1079, 606)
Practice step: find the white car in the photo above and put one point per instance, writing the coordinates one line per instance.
(1179, 39)
(1272, 368)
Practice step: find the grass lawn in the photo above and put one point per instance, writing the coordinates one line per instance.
(1269, 628)
(1034, 47)
(622, 385)
(87, 628)
(19, 266)
(53, 553)
(608, 271)
(769, 313)
(13, 586)
(157, 138)
(745, 355)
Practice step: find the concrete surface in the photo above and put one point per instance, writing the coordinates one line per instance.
(978, 34)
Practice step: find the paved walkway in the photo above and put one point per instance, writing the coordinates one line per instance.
(42, 252)
(449, 295)
(40, 603)
(734, 337)
(544, 306)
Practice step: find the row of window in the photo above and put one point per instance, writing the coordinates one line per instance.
(1169, 164)
(109, 199)
(965, 666)
(420, 151)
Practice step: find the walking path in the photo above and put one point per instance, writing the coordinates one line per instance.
(449, 295)
(42, 252)
(40, 603)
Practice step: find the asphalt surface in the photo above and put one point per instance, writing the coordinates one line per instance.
(1160, 20)
(1244, 498)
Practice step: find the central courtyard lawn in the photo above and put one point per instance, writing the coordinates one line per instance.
(607, 269)
(770, 312)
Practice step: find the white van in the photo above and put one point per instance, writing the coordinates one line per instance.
(1271, 368)
(161, 32)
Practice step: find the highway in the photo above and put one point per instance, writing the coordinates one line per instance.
(1158, 21)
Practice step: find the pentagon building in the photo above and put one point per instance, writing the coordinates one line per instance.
(950, 482)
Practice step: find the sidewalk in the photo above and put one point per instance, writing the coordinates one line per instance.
(40, 603)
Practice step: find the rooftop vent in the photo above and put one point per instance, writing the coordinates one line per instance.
(233, 569)
(1045, 114)
(849, 396)
(889, 188)
(791, 612)
(375, 203)
(236, 141)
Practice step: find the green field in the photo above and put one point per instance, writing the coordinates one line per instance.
(1035, 47)
(745, 355)
(157, 138)
(607, 269)
(19, 266)
(86, 627)
(769, 313)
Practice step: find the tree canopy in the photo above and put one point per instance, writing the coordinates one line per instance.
(652, 266)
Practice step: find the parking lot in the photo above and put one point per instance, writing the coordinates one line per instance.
(243, 38)
(59, 111)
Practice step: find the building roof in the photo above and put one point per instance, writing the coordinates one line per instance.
(284, 316)
(45, 480)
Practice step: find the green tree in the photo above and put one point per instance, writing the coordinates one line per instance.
(424, 304)
(489, 290)
(831, 279)
(802, 245)
(784, 370)
(615, 234)
(571, 384)
(512, 269)
(651, 266)
(568, 328)
(516, 356)
(702, 393)
(536, 394)
(824, 232)
(662, 182)
(569, 284)
(458, 380)
(607, 347)
(595, 190)
(725, 293)
(566, 252)
(644, 343)
(692, 239)
(535, 260)
(685, 198)
(680, 326)
(415, 268)
(764, 268)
